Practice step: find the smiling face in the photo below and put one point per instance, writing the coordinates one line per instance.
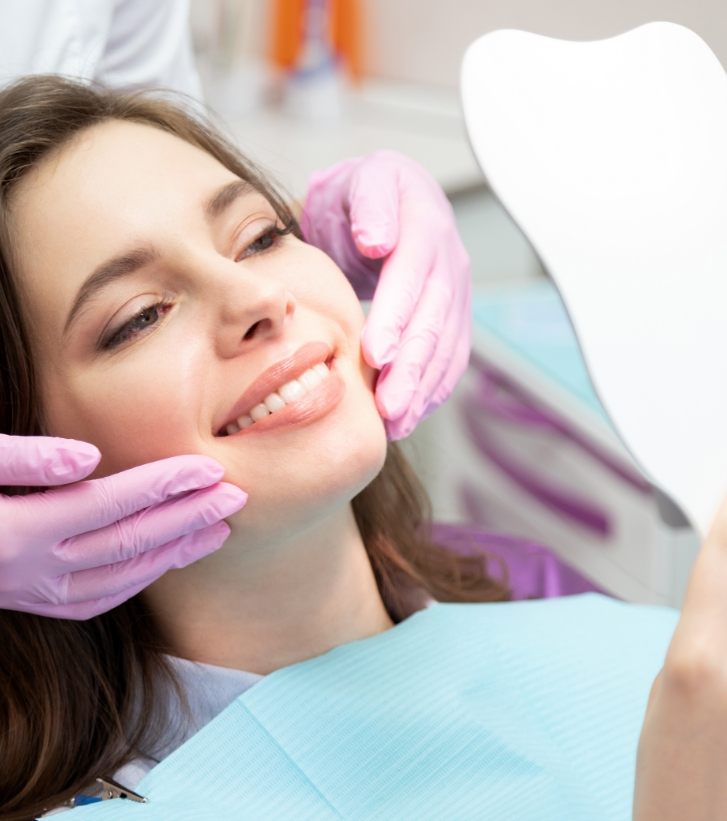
(203, 312)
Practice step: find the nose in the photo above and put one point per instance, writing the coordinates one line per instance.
(252, 310)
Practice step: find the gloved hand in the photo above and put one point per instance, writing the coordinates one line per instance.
(418, 331)
(74, 552)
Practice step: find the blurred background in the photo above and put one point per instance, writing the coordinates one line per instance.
(391, 80)
(524, 446)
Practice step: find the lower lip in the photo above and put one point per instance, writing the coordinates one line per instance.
(312, 406)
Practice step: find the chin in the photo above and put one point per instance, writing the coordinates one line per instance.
(314, 482)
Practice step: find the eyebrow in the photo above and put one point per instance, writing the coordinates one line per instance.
(134, 260)
(223, 198)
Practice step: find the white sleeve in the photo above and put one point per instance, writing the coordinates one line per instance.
(150, 46)
(121, 43)
(57, 36)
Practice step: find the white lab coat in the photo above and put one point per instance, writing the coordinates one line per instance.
(121, 43)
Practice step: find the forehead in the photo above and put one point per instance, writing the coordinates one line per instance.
(110, 164)
(114, 183)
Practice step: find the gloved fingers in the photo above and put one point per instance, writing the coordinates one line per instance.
(146, 530)
(39, 461)
(404, 276)
(64, 512)
(421, 341)
(326, 197)
(90, 592)
(442, 374)
(374, 204)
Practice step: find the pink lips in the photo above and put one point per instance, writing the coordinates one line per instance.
(272, 378)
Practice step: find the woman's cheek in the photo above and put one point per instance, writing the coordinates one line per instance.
(124, 443)
(136, 420)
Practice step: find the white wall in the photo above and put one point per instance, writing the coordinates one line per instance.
(423, 41)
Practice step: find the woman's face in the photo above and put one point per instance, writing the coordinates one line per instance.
(193, 298)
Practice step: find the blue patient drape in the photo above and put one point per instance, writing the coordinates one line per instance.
(517, 710)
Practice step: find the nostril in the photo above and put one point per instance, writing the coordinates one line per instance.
(262, 326)
(251, 330)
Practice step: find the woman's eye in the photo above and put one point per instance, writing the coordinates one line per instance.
(145, 318)
(151, 314)
(265, 241)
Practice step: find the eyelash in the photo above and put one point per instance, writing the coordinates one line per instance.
(126, 331)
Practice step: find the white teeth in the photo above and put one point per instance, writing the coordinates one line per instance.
(285, 394)
(273, 402)
(259, 412)
(292, 391)
(310, 379)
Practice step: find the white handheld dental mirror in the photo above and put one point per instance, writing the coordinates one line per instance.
(611, 156)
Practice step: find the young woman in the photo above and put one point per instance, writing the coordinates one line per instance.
(156, 300)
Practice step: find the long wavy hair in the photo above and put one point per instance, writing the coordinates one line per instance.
(79, 699)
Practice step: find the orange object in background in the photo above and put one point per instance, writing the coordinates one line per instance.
(343, 33)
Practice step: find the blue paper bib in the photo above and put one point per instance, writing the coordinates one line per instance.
(526, 710)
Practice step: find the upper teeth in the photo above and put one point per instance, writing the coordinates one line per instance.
(284, 395)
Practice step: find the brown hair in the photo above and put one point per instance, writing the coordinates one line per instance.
(79, 699)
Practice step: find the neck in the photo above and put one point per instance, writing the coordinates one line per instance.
(259, 607)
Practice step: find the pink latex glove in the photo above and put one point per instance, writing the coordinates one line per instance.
(76, 551)
(418, 332)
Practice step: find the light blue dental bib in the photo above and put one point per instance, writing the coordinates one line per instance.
(523, 710)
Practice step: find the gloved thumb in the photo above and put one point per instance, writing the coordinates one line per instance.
(45, 460)
(374, 207)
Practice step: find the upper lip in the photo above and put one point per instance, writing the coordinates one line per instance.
(285, 370)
